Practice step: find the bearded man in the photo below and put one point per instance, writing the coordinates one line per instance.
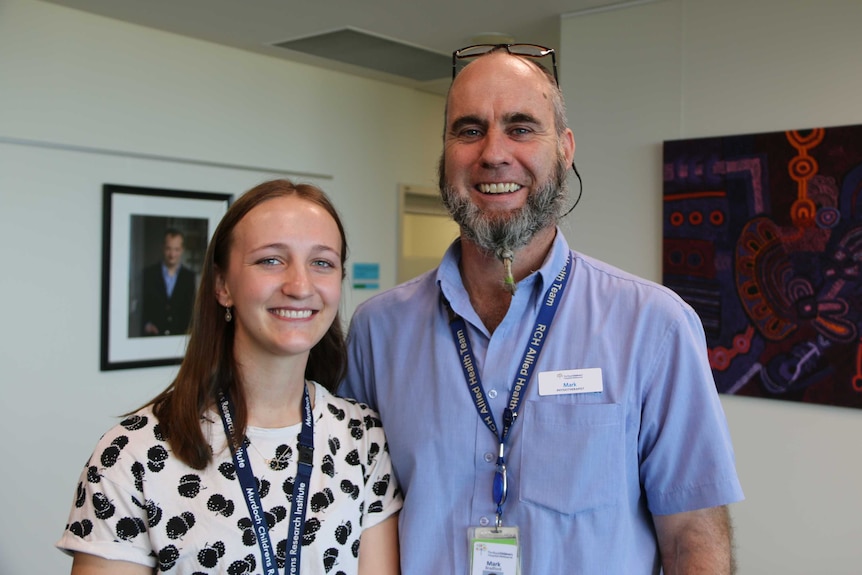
(546, 412)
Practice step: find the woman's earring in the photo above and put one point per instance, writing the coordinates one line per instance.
(227, 315)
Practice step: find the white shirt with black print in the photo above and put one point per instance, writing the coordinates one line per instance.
(136, 502)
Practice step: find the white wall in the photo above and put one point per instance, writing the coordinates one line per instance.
(673, 69)
(74, 79)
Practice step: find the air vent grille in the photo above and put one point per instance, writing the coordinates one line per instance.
(357, 48)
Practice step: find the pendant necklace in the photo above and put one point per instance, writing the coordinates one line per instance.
(266, 460)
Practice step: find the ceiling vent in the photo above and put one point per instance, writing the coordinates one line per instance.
(357, 48)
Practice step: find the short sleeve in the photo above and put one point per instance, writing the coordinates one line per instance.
(108, 518)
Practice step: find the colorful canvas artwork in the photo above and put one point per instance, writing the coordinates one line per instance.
(763, 237)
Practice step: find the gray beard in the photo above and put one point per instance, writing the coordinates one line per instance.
(506, 233)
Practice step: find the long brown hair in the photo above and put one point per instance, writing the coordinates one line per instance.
(209, 367)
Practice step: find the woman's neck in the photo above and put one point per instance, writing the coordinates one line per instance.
(273, 391)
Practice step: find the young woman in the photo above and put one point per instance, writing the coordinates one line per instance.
(247, 463)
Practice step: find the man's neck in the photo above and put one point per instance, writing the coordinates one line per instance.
(483, 275)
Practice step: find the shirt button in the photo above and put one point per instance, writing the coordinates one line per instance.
(492, 394)
(483, 521)
(489, 457)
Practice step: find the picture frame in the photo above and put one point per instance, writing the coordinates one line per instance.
(151, 236)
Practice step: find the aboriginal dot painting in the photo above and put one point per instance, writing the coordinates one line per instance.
(763, 238)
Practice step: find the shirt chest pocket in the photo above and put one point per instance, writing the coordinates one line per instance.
(572, 456)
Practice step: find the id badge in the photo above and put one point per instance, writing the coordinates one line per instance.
(494, 551)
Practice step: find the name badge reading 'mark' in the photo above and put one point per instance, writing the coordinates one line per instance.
(494, 551)
(571, 381)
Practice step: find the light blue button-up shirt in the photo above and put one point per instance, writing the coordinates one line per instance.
(586, 470)
(170, 280)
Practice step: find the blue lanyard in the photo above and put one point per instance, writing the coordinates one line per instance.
(550, 303)
(252, 497)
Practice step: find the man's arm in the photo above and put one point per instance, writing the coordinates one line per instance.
(696, 542)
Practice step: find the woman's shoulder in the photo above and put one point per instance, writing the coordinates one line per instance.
(335, 404)
(135, 434)
(351, 414)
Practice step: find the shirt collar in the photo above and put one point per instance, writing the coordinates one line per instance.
(449, 276)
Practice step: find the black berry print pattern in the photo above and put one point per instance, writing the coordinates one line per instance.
(143, 505)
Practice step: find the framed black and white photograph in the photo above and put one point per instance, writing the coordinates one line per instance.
(154, 243)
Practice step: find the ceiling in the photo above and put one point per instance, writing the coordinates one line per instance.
(396, 37)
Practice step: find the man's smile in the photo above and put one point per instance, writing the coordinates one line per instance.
(499, 188)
